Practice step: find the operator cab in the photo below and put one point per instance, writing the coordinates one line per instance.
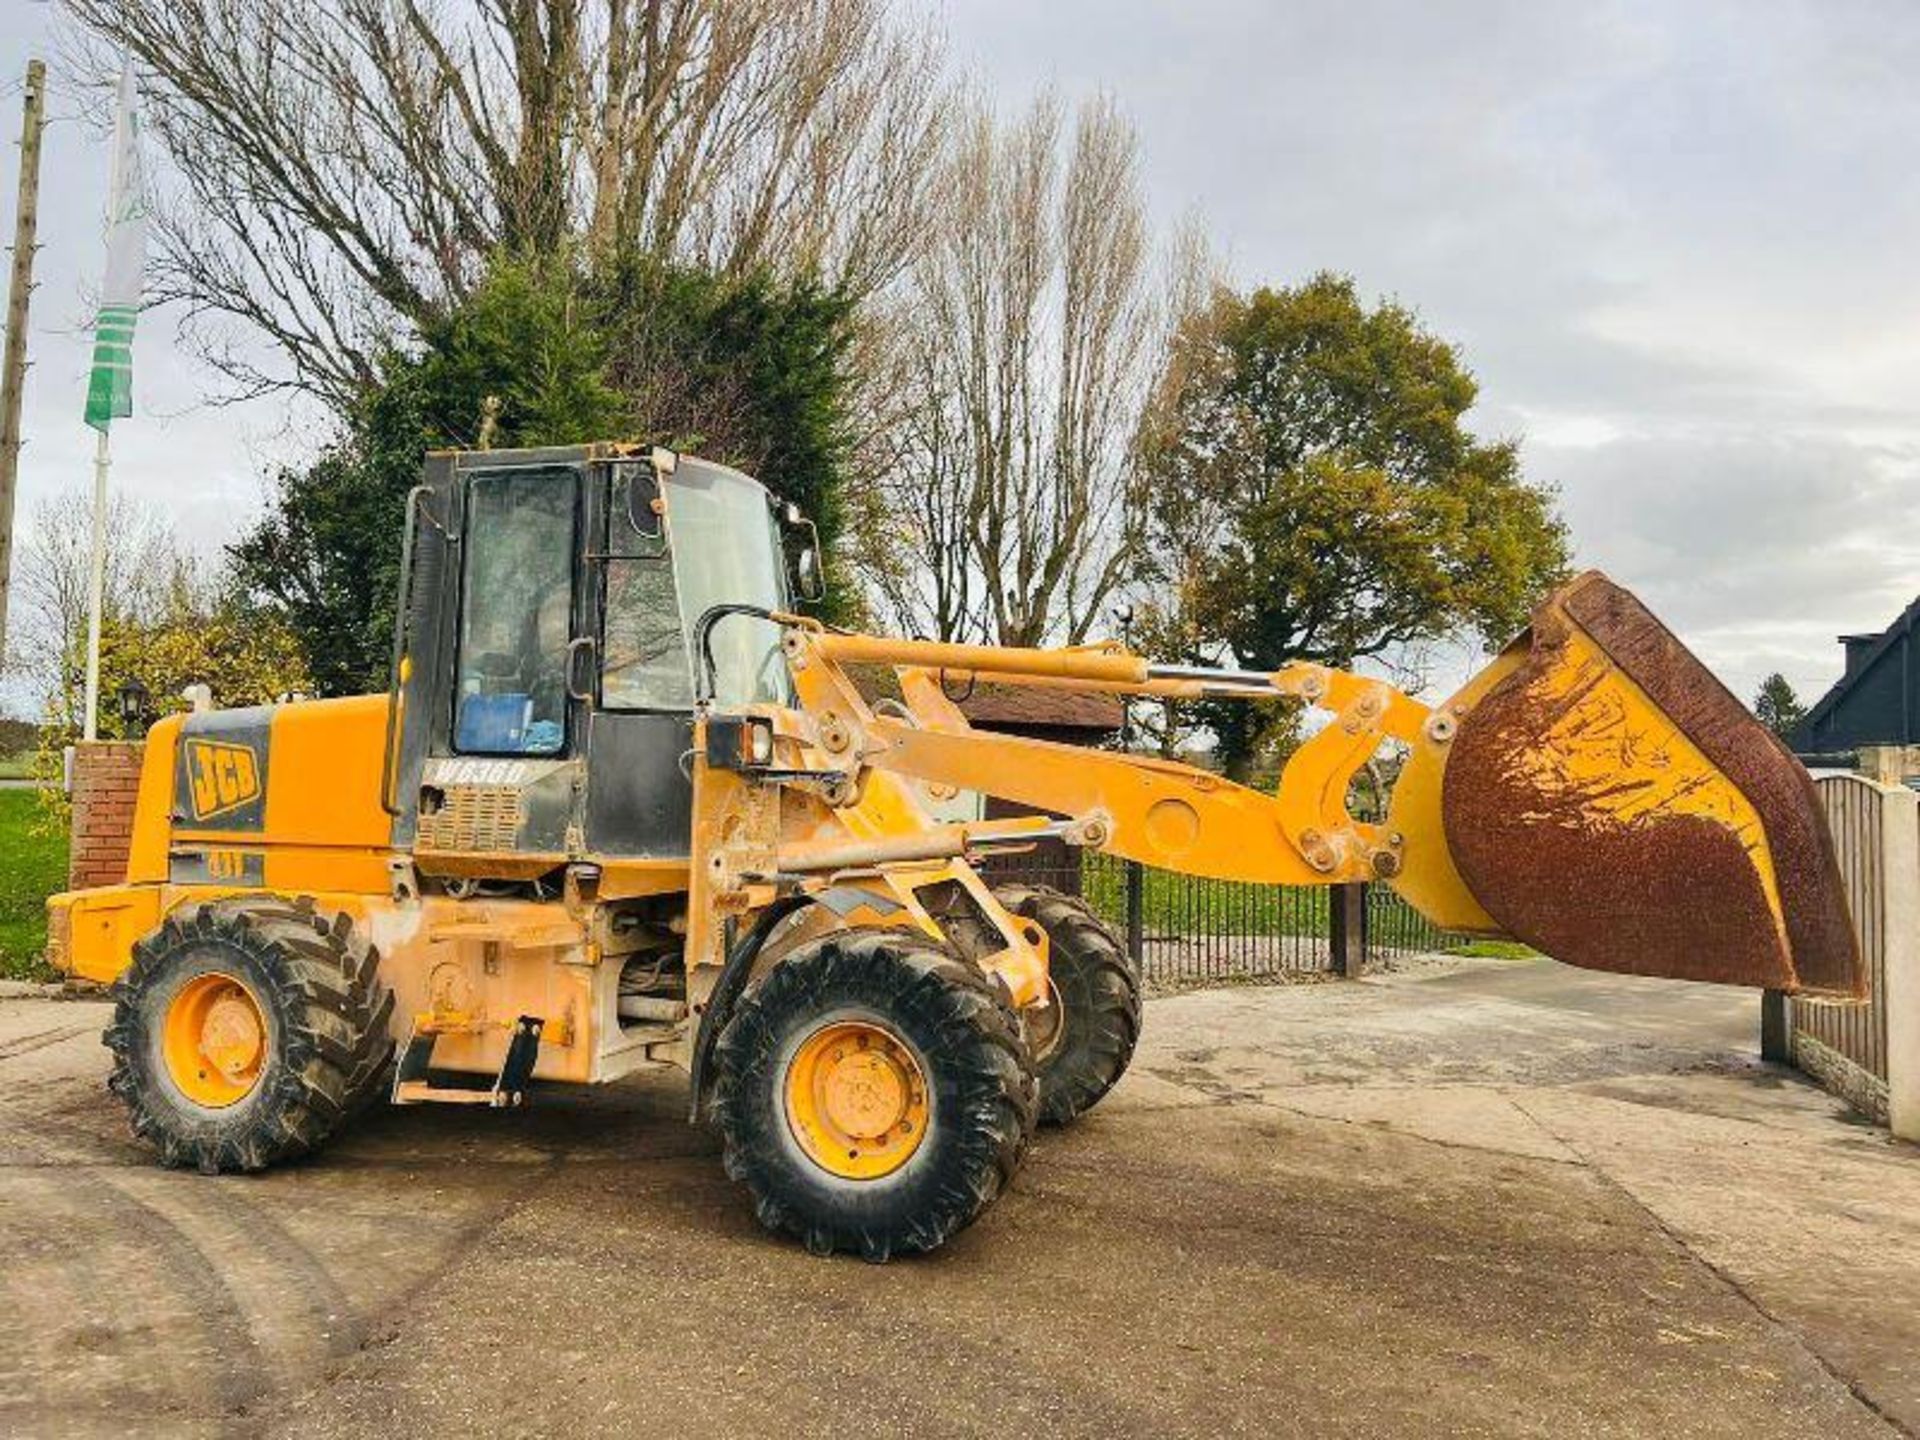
(550, 649)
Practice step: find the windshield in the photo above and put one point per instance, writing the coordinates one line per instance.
(724, 549)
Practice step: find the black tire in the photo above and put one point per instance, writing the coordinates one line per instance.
(1098, 992)
(967, 1041)
(325, 1012)
(370, 1082)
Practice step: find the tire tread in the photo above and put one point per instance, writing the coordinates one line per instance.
(332, 1009)
(1098, 980)
(981, 1051)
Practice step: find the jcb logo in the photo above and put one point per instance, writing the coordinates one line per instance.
(220, 777)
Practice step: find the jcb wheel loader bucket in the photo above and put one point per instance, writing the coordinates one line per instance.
(1611, 804)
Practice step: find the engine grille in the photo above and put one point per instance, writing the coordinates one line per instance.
(472, 818)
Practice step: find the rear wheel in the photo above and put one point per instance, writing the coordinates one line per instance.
(874, 1094)
(245, 1031)
(1083, 1041)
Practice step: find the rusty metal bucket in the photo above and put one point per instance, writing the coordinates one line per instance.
(1607, 801)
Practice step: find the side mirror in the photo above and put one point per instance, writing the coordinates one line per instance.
(809, 571)
(809, 579)
(645, 513)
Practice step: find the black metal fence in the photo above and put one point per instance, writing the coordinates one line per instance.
(1182, 929)
(1395, 928)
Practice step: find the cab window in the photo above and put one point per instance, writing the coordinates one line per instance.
(644, 661)
(724, 549)
(516, 603)
(646, 665)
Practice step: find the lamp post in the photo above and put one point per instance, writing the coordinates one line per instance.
(1123, 616)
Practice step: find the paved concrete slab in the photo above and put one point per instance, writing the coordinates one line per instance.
(1499, 1199)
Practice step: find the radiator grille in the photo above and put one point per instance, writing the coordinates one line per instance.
(473, 818)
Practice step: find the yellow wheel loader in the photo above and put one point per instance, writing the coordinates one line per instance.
(623, 808)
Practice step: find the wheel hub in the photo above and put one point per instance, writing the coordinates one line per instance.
(856, 1100)
(214, 1040)
(231, 1037)
(866, 1095)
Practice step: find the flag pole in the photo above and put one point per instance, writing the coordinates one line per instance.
(110, 387)
(96, 581)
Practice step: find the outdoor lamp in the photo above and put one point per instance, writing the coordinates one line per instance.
(133, 709)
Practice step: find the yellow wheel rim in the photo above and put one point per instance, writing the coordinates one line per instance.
(214, 1040)
(856, 1100)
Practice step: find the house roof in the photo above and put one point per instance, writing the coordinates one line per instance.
(1887, 639)
(1032, 707)
(1038, 705)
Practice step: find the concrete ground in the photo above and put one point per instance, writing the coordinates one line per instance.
(1503, 1199)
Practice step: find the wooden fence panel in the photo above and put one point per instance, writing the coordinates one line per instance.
(1869, 824)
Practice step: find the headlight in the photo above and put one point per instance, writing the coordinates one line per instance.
(759, 742)
(736, 742)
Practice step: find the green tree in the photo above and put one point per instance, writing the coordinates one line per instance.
(1319, 497)
(1777, 707)
(756, 373)
(200, 633)
(326, 554)
(747, 372)
(342, 172)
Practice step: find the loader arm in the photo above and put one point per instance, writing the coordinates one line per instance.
(1595, 792)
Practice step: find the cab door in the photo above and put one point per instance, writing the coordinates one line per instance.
(639, 799)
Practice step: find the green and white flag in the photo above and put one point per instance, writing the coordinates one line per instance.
(110, 391)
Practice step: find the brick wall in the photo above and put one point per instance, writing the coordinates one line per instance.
(106, 779)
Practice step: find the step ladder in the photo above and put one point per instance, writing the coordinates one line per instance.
(411, 1085)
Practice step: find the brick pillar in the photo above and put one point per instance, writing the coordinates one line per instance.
(106, 779)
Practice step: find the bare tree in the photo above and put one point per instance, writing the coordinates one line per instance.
(1033, 319)
(908, 533)
(340, 164)
(146, 567)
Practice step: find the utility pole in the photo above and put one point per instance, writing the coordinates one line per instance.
(13, 369)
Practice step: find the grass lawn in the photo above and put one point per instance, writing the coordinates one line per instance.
(33, 866)
(17, 767)
(1191, 906)
(1172, 904)
(1494, 950)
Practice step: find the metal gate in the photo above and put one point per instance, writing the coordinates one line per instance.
(1187, 929)
(1183, 929)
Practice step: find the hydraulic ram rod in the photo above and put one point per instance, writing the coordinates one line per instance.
(1090, 668)
(1113, 667)
(950, 842)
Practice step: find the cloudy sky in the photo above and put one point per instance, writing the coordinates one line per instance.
(200, 464)
(1675, 241)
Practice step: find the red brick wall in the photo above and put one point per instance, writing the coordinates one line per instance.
(106, 778)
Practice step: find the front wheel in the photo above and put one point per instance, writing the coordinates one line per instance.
(874, 1094)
